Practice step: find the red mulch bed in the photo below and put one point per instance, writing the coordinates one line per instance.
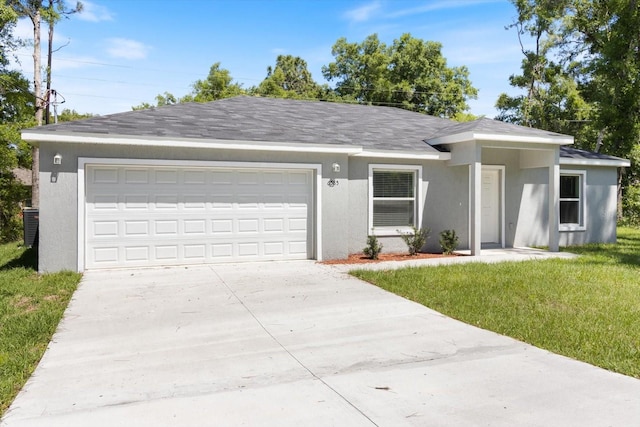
(362, 259)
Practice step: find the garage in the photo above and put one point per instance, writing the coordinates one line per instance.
(149, 215)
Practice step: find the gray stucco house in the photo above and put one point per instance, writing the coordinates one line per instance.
(252, 178)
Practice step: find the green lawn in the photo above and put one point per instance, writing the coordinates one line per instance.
(31, 306)
(587, 309)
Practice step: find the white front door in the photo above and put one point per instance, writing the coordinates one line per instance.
(491, 206)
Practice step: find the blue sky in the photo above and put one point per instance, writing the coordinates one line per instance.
(123, 52)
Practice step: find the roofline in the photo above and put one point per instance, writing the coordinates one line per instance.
(482, 136)
(621, 163)
(190, 143)
(395, 154)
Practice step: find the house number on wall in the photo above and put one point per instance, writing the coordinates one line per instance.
(332, 182)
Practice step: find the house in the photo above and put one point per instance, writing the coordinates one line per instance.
(248, 178)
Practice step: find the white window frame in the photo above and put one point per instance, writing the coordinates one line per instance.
(396, 231)
(582, 201)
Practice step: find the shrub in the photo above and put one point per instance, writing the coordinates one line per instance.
(631, 205)
(373, 248)
(448, 241)
(415, 240)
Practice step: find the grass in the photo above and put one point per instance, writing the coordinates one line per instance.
(31, 307)
(587, 309)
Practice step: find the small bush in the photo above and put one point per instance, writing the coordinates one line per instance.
(416, 239)
(631, 206)
(448, 241)
(373, 248)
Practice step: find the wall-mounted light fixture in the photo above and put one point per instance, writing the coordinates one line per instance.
(57, 159)
(335, 167)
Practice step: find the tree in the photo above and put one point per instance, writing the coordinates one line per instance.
(290, 78)
(596, 77)
(411, 74)
(16, 107)
(217, 85)
(33, 9)
(55, 10)
(552, 98)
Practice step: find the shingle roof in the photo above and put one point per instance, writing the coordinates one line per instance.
(491, 126)
(578, 154)
(267, 120)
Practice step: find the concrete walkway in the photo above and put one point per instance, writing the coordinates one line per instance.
(295, 344)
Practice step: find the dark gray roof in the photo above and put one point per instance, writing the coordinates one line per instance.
(267, 120)
(491, 126)
(578, 154)
(272, 120)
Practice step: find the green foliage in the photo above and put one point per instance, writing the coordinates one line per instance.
(631, 205)
(30, 308)
(410, 74)
(416, 239)
(448, 241)
(217, 85)
(290, 78)
(373, 248)
(68, 115)
(582, 76)
(585, 308)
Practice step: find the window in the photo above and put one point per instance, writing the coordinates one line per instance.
(572, 200)
(393, 201)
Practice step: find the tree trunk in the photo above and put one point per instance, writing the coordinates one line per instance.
(37, 92)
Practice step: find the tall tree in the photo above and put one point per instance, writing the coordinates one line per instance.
(218, 84)
(411, 74)
(34, 9)
(55, 10)
(595, 79)
(15, 107)
(290, 78)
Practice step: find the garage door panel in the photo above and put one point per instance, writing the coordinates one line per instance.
(136, 176)
(137, 216)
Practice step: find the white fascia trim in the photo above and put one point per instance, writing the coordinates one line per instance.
(402, 155)
(479, 137)
(191, 143)
(83, 162)
(622, 163)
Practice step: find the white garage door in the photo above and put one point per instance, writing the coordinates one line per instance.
(140, 216)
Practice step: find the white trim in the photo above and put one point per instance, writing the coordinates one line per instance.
(418, 199)
(582, 226)
(480, 136)
(402, 155)
(502, 178)
(190, 143)
(83, 162)
(621, 163)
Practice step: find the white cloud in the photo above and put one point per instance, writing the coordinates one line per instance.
(127, 49)
(94, 12)
(439, 5)
(362, 13)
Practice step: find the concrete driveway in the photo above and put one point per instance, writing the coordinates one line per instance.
(295, 344)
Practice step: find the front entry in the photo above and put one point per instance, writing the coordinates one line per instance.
(491, 206)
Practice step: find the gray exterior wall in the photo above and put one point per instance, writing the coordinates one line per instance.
(601, 208)
(444, 197)
(59, 186)
(345, 206)
(526, 202)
